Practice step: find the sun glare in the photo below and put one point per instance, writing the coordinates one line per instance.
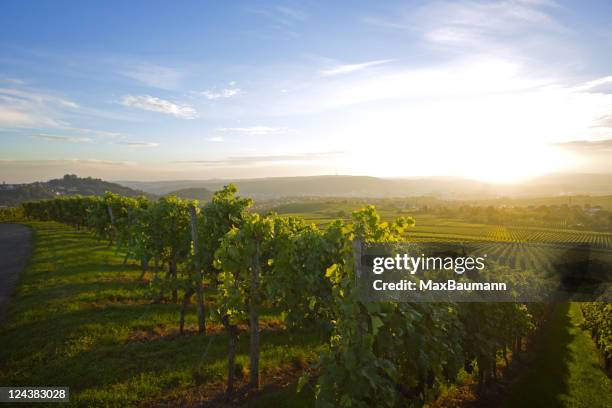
(516, 163)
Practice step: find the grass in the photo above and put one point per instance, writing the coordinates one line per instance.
(566, 371)
(80, 318)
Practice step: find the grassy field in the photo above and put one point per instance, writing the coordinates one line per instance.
(83, 319)
(566, 371)
(432, 227)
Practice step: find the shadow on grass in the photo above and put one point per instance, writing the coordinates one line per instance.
(546, 379)
(87, 348)
(67, 328)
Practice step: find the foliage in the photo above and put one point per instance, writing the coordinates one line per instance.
(380, 353)
(598, 319)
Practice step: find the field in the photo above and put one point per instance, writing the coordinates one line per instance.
(83, 317)
(434, 227)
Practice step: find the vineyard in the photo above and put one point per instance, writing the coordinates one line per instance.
(239, 266)
(598, 320)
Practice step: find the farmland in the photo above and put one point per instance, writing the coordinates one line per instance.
(91, 314)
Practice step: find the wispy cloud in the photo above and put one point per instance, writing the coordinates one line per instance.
(349, 68)
(30, 163)
(11, 80)
(588, 146)
(473, 23)
(61, 138)
(27, 95)
(155, 76)
(599, 85)
(22, 108)
(267, 159)
(154, 104)
(604, 121)
(292, 12)
(215, 139)
(253, 130)
(222, 94)
(595, 155)
(10, 117)
(94, 132)
(284, 19)
(138, 144)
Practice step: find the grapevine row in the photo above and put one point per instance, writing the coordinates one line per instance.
(380, 353)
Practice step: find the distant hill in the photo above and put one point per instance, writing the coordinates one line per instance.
(324, 186)
(363, 186)
(14, 194)
(200, 194)
(554, 185)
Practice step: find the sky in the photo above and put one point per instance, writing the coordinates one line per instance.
(157, 90)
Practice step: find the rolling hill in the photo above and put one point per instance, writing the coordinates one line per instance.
(364, 186)
(200, 194)
(14, 194)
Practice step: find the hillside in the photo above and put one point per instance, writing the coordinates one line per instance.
(200, 194)
(364, 186)
(14, 194)
(326, 186)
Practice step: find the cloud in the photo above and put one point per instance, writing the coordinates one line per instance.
(588, 146)
(593, 155)
(76, 139)
(155, 76)
(292, 12)
(347, 69)
(139, 144)
(10, 117)
(11, 80)
(469, 77)
(32, 96)
(154, 104)
(101, 133)
(599, 85)
(31, 163)
(473, 23)
(253, 130)
(604, 121)
(216, 139)
(224, 93)
(60, 138)
(23, 108)
(268, 159)
(284, 20)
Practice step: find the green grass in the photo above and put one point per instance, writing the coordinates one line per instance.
(286, 397)
(566, 371)
(77, 311)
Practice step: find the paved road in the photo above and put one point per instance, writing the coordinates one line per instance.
(15, 249)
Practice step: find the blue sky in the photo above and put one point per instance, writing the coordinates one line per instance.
(192, 90)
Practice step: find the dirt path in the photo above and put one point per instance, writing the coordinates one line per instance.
(15, 249)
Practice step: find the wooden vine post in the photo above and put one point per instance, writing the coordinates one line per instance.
(254, 318)
(112, 221)
(198, 269)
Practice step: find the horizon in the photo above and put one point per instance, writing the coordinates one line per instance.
(492, 91)
(439, 177)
